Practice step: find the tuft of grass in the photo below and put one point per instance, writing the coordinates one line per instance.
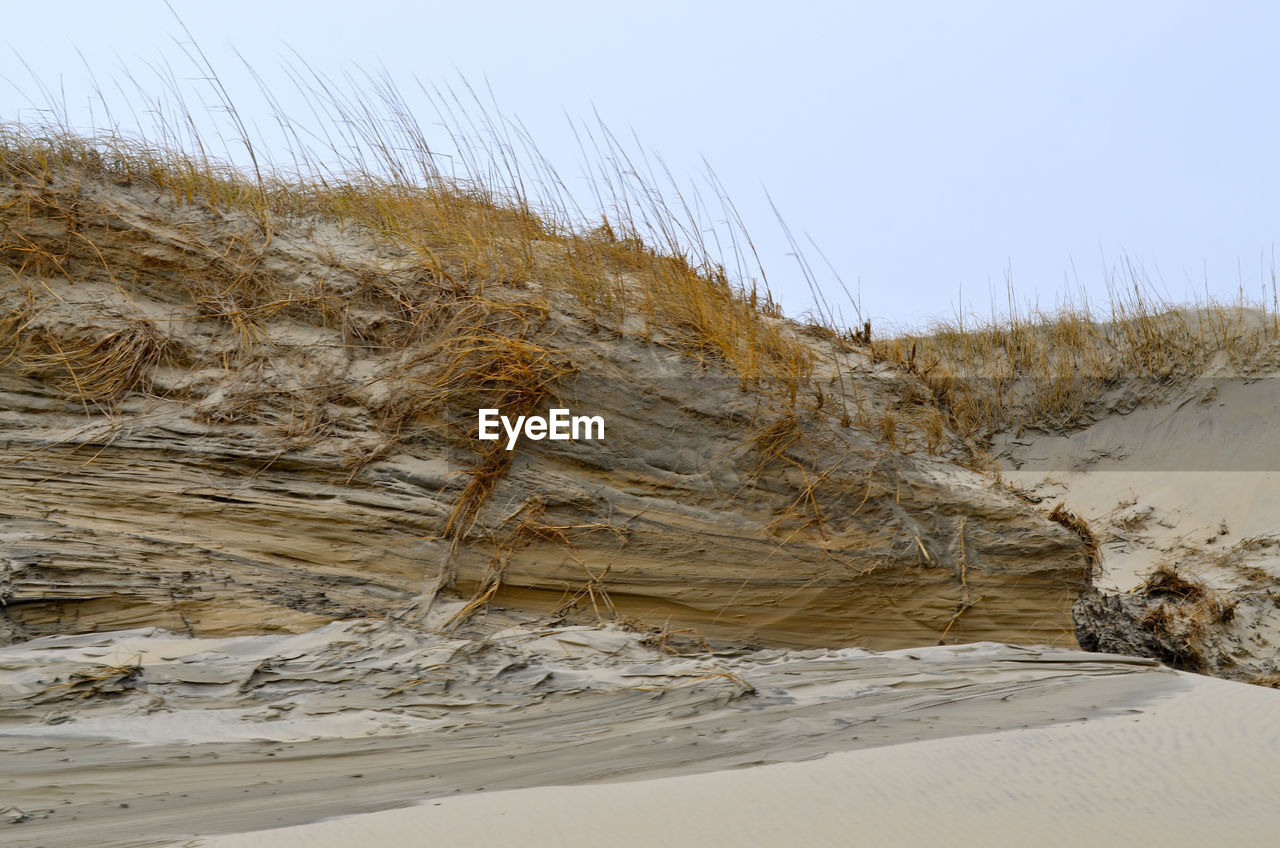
(1165, 581)
(95, 364)
(1050, 371)
(771, 442)
(1062, 516)
(1184, 618)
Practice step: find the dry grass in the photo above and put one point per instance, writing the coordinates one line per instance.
(1078, 526)
(474, 238)
(481, 254)
(501, 222)
(1165, 581)
(770, 443)
(1050, 370)
(97, 367)
(1185, 618)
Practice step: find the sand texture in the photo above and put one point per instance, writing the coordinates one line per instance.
(284, 466)
(1183, 492)
(143, 735)
(1193, 769)
(260, 583)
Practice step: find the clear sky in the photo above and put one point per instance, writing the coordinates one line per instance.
(932, 150)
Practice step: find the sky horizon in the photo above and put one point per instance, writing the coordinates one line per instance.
(934, 157)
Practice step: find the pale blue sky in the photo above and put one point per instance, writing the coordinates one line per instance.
(925, 147)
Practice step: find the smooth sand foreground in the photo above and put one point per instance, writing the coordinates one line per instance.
(1196, 768)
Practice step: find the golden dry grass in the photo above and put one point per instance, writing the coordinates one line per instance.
(1048, 371)
(470, 244)
(1184, 616)
(484, 252)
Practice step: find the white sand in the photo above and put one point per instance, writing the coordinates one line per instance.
(1197, 769)
(1198, 472)
(141, 737)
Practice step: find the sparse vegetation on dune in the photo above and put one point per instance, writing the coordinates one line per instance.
(363, 291)
(477, 253)
(468, 244)
(1051, 370)
(482, 247)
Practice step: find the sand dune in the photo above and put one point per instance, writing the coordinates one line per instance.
(1192, 767)
(151, 736)
(1189, 484)
(261, 585)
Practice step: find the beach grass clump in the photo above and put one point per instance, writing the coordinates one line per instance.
(1183, 616)
(1031, 369)
(449, 274)
(96, 364)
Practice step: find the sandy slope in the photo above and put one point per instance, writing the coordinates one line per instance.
(1201, 468)
(1190, 483)
(279, 469)
(1193, 768)
(143, 736)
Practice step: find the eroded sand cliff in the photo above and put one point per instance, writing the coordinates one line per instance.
(219, 428)
(256, 569)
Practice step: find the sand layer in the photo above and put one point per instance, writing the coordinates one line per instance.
(1193, 768)
(143, 735)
